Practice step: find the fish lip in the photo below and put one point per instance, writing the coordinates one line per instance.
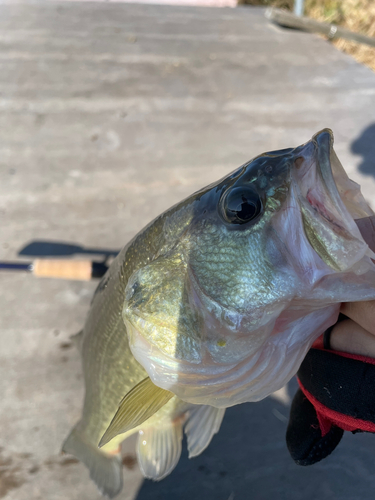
(324, 154)
(318, 149)
(319, 152)
(324, 150)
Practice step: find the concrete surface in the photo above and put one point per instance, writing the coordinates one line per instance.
(200, 3)
(110, 113)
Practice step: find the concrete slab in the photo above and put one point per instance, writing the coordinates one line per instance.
(109, 114)
(199, 3)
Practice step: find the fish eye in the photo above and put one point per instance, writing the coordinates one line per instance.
(240, 205)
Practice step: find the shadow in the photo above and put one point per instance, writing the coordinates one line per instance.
(249, 449)
(248, 460)
(40, 248)
(364, 146)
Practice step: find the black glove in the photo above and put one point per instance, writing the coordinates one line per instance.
(337, 393)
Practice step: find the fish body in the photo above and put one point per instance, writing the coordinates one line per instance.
(110, 371)
(216, 302)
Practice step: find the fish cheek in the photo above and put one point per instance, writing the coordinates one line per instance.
(157, 307)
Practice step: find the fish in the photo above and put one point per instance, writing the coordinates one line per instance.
(215, 303)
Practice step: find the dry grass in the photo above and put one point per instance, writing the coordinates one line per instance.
(356, 15)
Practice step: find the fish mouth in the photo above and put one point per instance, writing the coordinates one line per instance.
(317, 153)
(324, 152)
(322, 142)
(329, 203)
(340, 189)
(325, 159)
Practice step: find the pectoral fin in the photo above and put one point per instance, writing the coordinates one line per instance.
(138, 405)
(159, 450)
(202, 424)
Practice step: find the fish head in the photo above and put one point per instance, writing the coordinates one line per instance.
(248, 272)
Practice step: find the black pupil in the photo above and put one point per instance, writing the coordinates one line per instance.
(246, 209)
(241, 205)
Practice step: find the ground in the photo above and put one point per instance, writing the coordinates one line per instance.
(109, 114)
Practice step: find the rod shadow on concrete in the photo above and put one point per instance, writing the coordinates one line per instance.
(364, 146)
(45, 248)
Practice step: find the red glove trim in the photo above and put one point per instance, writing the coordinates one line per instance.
(327, 417)
(318, 344)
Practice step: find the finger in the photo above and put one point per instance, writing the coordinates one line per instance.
(348, 336)
(367, 228)
(362, 313)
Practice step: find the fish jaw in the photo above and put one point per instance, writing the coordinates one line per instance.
(252, 379)
(259, 294)
(327, 222)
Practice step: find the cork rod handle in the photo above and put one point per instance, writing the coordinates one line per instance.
(64, 269)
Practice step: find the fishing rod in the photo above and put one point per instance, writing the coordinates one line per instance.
(83, 270)
(50, 259)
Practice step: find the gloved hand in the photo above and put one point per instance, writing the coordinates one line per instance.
(336, 393)
(337, 380)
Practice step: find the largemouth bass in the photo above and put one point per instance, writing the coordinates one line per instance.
(216, 303)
